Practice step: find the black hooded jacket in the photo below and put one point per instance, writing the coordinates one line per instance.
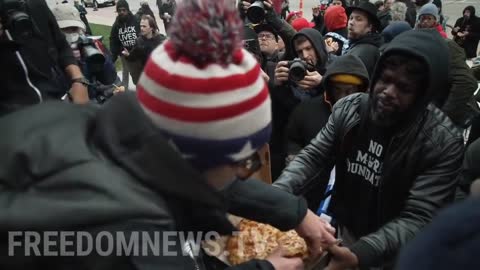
(284, 100)
(420, 166)
(367, 49)
(45, 53)
(310, 116)
(124, 33)
(472, 25)
(318, 43)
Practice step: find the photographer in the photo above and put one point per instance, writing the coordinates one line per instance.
(291, 88)
(40, 65)
(97, 66)
(272, 26)
(271, 18)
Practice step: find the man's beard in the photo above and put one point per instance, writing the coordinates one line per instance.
(122, 18)
(382, 118)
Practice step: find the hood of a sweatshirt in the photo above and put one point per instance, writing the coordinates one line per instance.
(374, 39)
(348, 64)
(427, 46)
(472, 11)
(394, 29)
(318, 43)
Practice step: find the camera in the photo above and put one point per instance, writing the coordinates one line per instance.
(14, 18)
(256, 12)
(103, 92)
(297, 69)
(93, 57)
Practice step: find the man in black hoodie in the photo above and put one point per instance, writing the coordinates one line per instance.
(308, 46)
(345, 76)
(396, 156)
(364, 40)
(466, 31)
(123, 36)
(47, 68)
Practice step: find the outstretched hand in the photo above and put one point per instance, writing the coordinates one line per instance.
(317, 233)
(342, 258)
(280, 261)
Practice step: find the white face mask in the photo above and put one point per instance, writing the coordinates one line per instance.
(72, 37)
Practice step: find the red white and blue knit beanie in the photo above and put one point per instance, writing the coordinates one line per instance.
(203, 90)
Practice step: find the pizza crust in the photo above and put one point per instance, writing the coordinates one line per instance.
(257, 241)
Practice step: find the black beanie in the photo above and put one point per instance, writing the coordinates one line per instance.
(122, 4)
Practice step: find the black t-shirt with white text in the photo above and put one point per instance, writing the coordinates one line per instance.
(128, 35)
(364, 164)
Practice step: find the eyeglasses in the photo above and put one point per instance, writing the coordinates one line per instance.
(266, 36)
(250, 165)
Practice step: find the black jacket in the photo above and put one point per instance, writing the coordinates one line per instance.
(470, 170)
(385, 16)
(83, 16)
(46, 54)
(286, 32)
(284, 101)
(124, 35)
(109, 169)
(141, 51)
(166, 6)
(367, 49)
(420, 167)
(458, 101)
(451, 241)
(310, 117)
(144, 10)
(471, 25)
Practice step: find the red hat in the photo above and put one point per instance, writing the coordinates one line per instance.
(300, 23)
(203, 91)
(335, 18)
(293, 13)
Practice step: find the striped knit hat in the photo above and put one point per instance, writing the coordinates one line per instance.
(203, 90)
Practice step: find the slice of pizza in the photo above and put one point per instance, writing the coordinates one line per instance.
(258, 241)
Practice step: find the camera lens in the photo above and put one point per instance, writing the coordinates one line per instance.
(297, 71)
(256, 12)
(19, 24)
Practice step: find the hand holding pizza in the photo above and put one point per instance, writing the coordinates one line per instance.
(317, 233)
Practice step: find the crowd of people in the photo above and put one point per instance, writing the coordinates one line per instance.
(375, 94)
